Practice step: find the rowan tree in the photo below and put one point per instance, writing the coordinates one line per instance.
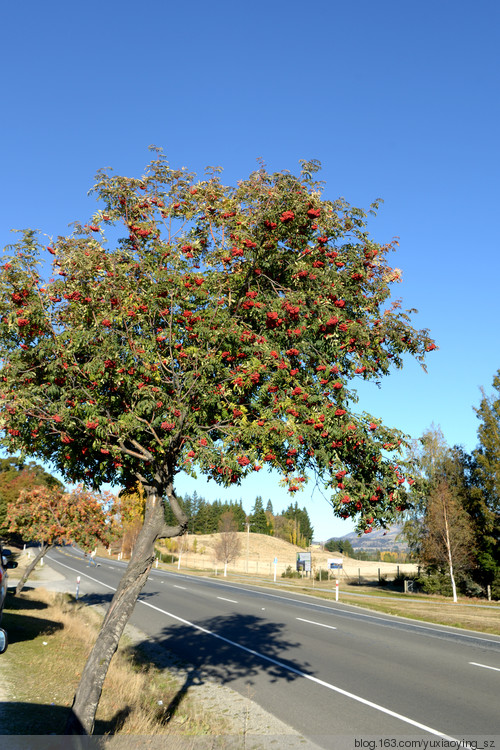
(50, 516)
(191, 325)
(15, 476)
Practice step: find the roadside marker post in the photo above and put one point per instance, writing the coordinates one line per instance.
(337, 590)
(77, 587)
(275, 566)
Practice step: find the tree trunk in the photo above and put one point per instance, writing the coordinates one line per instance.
(450, 558)
(31, 567)
(86, 700)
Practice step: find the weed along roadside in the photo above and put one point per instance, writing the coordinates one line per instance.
(51, 635)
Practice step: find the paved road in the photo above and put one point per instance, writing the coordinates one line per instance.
(327, 669)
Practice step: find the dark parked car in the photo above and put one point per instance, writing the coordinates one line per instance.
(5, 563)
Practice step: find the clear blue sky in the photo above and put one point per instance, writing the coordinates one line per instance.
(398, 100)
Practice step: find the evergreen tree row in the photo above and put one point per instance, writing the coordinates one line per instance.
(293, 524)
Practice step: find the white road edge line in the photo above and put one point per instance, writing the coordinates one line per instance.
(286, 667)
(233, 601)
(311, 622)
(485, 666)
(179, 587)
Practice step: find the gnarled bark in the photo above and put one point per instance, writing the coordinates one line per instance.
(86, 700)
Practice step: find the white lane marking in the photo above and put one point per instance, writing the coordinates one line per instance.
(435, 629)
(179, 587)
(311, 622)
(286, 667)
(233, 601)
(306, 676)
(485, 666)
(80, 573)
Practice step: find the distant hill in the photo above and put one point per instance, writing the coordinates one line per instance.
(379, 539)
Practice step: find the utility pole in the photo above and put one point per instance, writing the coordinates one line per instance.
(248, 543)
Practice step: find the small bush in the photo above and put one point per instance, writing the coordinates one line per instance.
(400, 578)
(171, 544)
(471, 588)
(166, 557)
(435, 583)
(290, 573)
(321, 575)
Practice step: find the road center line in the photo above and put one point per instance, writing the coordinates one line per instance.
(485, 666)
(311, 622)
(233, 601)
(179, 587)
(286, 667)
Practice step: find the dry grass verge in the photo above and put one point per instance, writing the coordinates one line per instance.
(468, 614)
(50, 638)
(481, 618)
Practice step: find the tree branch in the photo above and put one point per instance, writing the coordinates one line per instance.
(168, 531)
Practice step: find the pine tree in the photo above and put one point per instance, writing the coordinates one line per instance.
(485, 470)
(258, 519)
(488, 452)
(303, 531)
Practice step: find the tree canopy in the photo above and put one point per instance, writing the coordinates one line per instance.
(487, 454)
(196, 326)
(17, 475)
(223, 330)
(50, 516)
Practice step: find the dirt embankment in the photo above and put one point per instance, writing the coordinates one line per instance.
(257, 553)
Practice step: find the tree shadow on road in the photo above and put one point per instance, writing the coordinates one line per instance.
(230, 650)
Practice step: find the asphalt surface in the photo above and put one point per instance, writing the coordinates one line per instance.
(337, 674)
